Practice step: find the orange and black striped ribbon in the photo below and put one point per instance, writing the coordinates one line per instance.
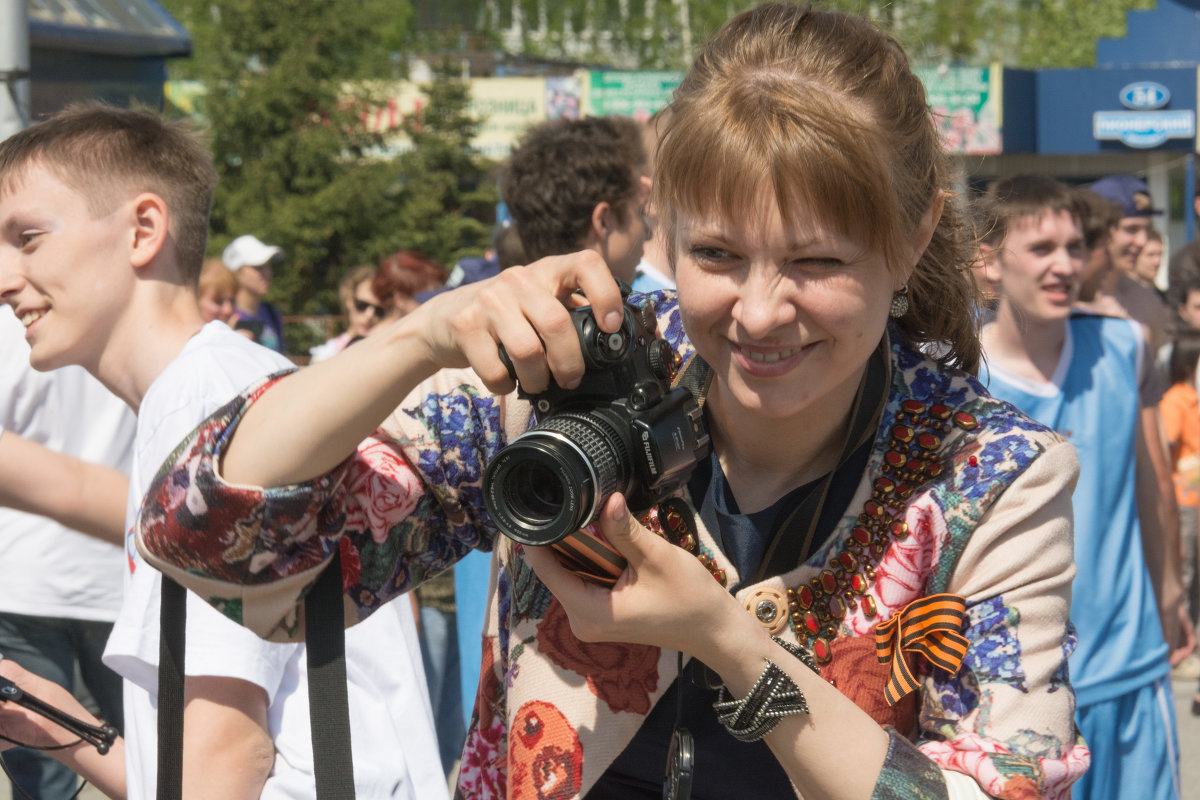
(930, 627)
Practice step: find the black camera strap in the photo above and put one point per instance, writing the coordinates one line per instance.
(793, 540)
(328, 701)
(172, 638)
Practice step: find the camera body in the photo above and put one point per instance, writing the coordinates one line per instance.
(623, 429)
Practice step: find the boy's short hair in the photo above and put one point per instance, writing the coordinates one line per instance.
(1019, 197)
(1182, 288)
(107, 153)
(1097, 216)
(1185, 353)
(561, 170)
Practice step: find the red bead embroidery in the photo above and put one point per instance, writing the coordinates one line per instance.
(912, 458)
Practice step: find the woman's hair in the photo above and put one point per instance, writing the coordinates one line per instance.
(350, 282)
(823, 108)
(407, 273)
(214, 275)
(1185, 352)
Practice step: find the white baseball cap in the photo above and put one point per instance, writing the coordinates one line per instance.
(248, 251)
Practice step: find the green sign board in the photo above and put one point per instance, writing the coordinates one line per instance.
(630, 94)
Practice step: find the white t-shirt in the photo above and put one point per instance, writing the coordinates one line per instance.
(49, 570)
(393, 740)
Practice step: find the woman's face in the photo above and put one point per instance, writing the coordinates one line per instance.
(787, 318)
(216, 304)
(364, 310)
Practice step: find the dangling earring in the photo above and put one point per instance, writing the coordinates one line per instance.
(899, 302)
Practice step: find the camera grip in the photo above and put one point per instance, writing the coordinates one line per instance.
(590, 557)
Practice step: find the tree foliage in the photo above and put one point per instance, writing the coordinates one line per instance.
(663, 34)
(287, 85)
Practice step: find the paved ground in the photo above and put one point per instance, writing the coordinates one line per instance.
(1189, 739)
(1189, 747)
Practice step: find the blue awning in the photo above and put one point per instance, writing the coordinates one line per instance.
(113, 27)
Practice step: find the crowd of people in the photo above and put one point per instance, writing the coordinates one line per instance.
(936, 534)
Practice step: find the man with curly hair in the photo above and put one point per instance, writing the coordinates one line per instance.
(577, 184)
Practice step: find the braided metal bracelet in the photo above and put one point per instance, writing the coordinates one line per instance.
(773, 697)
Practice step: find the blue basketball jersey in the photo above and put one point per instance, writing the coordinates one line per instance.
(1092, 400)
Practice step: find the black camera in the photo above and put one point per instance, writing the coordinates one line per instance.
(623, 429)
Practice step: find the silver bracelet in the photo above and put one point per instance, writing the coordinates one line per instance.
(774, 696)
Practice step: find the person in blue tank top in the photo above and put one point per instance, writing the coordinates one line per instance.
(1080, 374)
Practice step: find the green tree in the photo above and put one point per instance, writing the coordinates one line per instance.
(283, 101)
(444, 193)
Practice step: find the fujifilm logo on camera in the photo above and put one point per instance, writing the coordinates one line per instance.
(649, 452)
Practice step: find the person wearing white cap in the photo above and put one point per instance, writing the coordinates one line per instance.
(252, 263)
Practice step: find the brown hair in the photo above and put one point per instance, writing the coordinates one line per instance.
(1097, 216)
(106, 153)
(823, 108)
(1020, 196)
(215, 275)
(406, 272)
(561, 170)
(351, 280)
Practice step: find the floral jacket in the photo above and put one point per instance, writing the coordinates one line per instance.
(962, 495)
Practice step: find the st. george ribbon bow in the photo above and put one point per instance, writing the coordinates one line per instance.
(929, 626)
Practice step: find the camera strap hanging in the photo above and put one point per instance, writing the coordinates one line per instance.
(793, 541)
(328, 702)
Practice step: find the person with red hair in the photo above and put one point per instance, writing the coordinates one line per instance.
(401, 276)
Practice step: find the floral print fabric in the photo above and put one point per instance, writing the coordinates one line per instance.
(552, 712)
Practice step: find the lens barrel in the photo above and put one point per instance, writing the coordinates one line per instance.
(553, 479)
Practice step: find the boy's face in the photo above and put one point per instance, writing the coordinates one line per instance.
(1148, 261)
(255, 279)
(64, 271)
(1040, 264)
(1127, 240)
(1189, 309)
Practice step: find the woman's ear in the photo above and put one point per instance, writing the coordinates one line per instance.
(927, 225)
(149, 231)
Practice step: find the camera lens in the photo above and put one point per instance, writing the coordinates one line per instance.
(553, 479)
(537, 493)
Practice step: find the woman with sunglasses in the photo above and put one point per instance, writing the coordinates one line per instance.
(862, 592)
(363, 312)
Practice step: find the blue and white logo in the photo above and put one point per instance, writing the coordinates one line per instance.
(1143, 129)
(1144, 95)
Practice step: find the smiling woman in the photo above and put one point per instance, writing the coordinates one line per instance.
(875, 554)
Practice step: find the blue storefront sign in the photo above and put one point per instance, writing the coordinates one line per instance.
(1109, 110)
(1143, 129)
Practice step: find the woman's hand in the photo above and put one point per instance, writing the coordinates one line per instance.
(309, 422)
(665, 597)
(526, 310)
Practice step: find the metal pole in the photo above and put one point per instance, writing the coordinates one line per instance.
(14, 67)
(1189, 204)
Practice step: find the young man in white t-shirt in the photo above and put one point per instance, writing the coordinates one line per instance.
(60, 534)
(103, 221)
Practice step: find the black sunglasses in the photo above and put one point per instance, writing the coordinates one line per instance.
(362, 305)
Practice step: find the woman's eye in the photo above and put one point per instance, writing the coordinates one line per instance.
(29, 236)
(820, 263)
(709, 255)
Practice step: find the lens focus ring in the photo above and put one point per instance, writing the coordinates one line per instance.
(599, 443)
